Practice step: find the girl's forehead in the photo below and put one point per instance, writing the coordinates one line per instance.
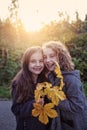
(48, 50)
(36, 54)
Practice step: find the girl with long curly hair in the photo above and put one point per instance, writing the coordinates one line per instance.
(73, 110)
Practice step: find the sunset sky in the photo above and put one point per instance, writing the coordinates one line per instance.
(35, 13)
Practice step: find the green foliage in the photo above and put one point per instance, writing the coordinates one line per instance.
(58, 31)
(85, 88)
(78, 49)
(4, 92)
(15, 40)
(9, 68)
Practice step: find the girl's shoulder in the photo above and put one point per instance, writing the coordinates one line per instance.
(72, 77)
(73, 82)
(71, 74)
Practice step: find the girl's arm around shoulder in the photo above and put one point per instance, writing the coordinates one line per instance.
(21, 109)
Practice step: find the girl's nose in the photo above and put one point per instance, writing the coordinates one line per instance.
(37, 63)
(48, 59)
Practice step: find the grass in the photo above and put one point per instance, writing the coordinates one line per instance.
(5, 92)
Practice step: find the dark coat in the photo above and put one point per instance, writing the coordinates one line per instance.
(23, 114)
(73, 110)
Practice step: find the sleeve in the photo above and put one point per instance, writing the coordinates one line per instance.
(56, 122)
(53, 79)
(75, 101)
(21, 109)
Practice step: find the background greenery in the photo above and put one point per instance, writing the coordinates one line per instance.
(14, 40)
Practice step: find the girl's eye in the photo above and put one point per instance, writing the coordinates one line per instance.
(32, 61)
(52, 56)
(44, 57)
(41, 61)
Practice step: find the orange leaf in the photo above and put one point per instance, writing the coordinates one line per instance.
(43, 117)
(35, 112)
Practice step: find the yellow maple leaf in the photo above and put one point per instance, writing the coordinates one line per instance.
(52, 95)
(55, 100)
(35, 112)
(38, 95)
(43, 117)
(44, 112)
(57, 70)
(37, 109)
(61, 95)
(42, 90)
(55, 94)
(49, 111)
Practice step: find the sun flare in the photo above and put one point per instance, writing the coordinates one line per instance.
(32, 22)
(35, 14)
(32, 26)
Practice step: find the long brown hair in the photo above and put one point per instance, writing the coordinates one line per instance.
(64, 57)
(23, 80)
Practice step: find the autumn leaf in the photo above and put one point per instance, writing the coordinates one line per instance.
(42, 90)
(44, 112)
(43, 117)
(55, 100)
(61, 95)
(35, 112)
(37, 109)
(49, 111)
(52, 95)
(38, 95)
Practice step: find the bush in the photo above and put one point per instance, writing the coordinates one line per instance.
(10, 67)
(5, 92)
(78, 49)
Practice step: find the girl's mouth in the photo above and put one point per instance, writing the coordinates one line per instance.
(38, 68)
(50, 66)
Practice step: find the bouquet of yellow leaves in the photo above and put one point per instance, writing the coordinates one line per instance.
(54, 93)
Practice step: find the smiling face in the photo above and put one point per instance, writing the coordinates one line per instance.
(50, 57)
(36, 64)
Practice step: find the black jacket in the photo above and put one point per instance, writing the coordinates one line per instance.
(23, 114)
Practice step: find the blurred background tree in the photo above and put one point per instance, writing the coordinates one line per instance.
(14, 40)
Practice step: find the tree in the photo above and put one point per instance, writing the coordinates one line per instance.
(85, 23)
(13, 10)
